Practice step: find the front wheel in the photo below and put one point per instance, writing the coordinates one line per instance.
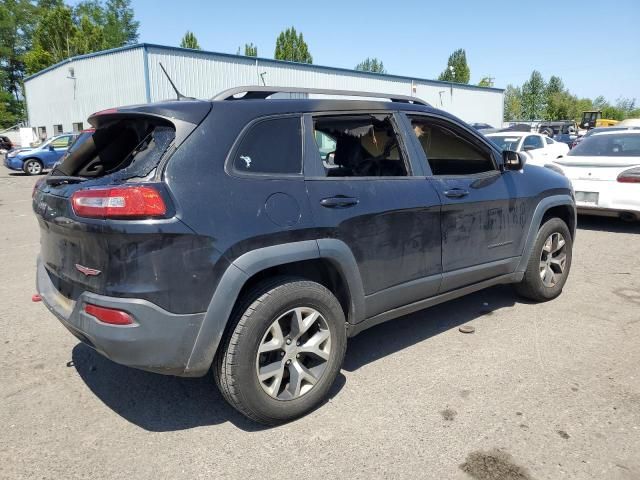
(283, 350)
(32, 167)
(549, 264)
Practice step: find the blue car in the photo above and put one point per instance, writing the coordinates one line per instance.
(33, 161)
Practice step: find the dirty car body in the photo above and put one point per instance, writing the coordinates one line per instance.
(218, 219)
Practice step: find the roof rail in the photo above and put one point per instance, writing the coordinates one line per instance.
(262, 92)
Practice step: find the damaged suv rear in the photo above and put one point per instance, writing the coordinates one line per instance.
(113, 246)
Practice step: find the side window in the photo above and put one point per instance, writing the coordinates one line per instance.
(61, 142)
(359, 146)
(532, 142)
(271, 146)
(448, 151)
(548, 140)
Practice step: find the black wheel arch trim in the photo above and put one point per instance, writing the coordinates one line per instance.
(244, 267)
(536, 220)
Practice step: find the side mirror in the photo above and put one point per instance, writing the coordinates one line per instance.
(513, 160)
(51, 147)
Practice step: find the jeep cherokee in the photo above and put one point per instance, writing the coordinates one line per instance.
(251, 236)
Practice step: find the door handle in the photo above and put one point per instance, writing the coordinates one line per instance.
(339, 202)
(456, 193)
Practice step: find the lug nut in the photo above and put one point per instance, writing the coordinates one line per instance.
(288, 341)
(282, 354)
(297, 344)
(288, 362)
(297, 355)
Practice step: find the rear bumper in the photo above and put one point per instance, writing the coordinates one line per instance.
(159, 341)
(613, 197)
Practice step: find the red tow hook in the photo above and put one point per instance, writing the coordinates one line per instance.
(36, 297)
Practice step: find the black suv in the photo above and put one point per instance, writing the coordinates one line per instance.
(252, 236)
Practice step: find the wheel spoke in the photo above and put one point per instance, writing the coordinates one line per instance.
(548, 245)
(298, 376)
(549, 277)
(559, 262)
(277, 339)
(302, 320)
(316, 345)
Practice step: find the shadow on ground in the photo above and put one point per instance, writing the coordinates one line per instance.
(161, 403)
(607, 224)
(395, 335)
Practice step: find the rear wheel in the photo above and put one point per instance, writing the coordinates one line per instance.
(283, 351)
(32, 166)
(549, 264)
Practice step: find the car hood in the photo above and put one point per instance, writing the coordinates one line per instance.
(600, 161)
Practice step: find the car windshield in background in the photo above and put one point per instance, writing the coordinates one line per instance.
(616, 145)
(505, 142)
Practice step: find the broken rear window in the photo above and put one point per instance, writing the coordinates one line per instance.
(122, 149)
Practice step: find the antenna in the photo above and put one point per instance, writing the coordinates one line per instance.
(175, 89)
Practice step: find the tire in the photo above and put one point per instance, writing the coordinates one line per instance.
(260, 322)
(32, 166)
(547, 269)
(548, 132)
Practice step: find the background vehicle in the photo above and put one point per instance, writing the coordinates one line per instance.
(541, 148)
(33, 161)
(593, 118)
(191, 236)
(605, 172)
(5, 143)
(593, 131)
(565, 131)
(484, 127)
(82, 137)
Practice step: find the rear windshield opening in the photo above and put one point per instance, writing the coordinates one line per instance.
(124, 148)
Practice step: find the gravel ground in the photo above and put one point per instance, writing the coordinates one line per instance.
(539, 391)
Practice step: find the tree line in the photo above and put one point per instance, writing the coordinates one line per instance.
(537, 99)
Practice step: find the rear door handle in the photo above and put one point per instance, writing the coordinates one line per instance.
(456, 193)
(339, 202)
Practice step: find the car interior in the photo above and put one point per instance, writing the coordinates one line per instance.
(363, 146)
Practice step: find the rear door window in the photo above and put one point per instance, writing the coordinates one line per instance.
(272, 147)
(532, 142)
(449, 151)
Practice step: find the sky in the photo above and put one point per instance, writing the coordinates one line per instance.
(594, 46)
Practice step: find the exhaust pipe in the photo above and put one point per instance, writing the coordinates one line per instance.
(628, 217)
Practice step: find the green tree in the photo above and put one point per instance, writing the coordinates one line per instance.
(190, 41)
(291, 46)
(17, 22)
(53, 39)
(457, 70)
(120, 27)
(533, 97)
(371, 65)
(89, 37)
(92, 9)
(485, 82)
(250, 50)
(512, 103)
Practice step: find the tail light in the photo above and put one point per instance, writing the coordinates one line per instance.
(109, 315)
(128, 202)
(630, 176)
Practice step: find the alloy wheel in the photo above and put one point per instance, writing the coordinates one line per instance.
(34, 167)
(553, 259)
(293, 354)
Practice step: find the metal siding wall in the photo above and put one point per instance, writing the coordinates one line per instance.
(202, 75)
(118, 78)
(105, 81)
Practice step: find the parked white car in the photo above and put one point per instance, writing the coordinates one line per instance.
(605, 172)
(541, 149)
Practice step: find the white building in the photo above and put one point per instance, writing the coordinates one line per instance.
(61, 97)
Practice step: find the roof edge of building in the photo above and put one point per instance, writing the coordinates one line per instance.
(260, 59)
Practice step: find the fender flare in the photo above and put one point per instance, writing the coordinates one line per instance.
(247, 265)
(536, 219)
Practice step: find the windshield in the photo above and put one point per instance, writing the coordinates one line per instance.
(505, 142)
(617, 145)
